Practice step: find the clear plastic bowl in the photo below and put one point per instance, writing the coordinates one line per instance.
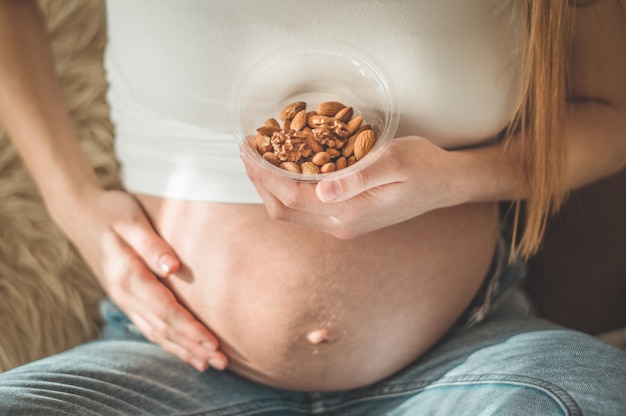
(314, 75)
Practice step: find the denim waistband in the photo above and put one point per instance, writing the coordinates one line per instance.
(504, 273)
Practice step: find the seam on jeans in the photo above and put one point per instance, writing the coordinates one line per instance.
(562, 399)
(567, 403)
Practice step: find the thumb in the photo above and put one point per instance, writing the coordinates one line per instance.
(330, 191)
(342, 189)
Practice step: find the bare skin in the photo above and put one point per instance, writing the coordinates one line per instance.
(300, 309)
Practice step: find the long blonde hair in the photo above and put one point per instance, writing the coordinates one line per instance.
(539, 120)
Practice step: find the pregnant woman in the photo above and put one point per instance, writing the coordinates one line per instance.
(391, 291)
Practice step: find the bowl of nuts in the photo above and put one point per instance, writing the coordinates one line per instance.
(310, 113)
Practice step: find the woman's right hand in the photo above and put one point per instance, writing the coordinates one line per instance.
(109, 228)
(116, 239)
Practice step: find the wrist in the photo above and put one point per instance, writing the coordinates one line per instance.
(67, 200)
(484, 174)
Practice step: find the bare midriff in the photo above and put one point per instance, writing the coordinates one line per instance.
(300, 309)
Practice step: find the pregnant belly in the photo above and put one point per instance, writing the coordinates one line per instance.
(298, 309)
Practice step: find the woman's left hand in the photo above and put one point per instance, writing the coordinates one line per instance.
(413, 176)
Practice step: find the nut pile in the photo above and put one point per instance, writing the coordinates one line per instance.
(313, 142)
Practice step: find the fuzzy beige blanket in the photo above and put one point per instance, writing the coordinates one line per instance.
(48, 297)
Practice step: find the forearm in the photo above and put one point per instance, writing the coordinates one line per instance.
(32, 107)
(595, 138)
(596, 142)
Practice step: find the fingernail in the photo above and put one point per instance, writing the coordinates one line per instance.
(209, 346)
(198, 364)
(329, 191)
(217, 363)
(167, 263)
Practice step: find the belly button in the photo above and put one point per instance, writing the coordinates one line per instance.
(318, 336)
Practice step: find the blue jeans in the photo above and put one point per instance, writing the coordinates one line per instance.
(508, 364)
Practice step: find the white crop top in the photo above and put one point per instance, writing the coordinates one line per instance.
(171, 66)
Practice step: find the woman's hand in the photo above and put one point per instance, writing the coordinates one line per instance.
(411, 177)
(116, 239)
(109, 228)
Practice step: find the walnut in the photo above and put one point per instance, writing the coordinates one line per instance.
(290, 148)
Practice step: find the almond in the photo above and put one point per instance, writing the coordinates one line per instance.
(348, 149)
(290, 166)
(267, 130)
(334, 153)
(271, 157)
(317, 120)
(291, 110)
(328, 167)
(353, 125)
(330, 108)
(341, 163)
(364, 143)
(309, 168)
(321, 158)
(263, 143)
(345, 114)
(299, 121)
(271, 122)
